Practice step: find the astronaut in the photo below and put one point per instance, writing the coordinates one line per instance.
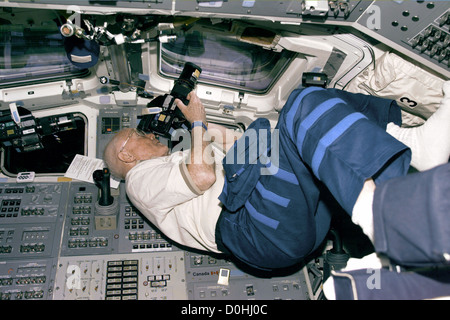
(329, 142)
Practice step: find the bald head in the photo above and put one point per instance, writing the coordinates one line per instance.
(111, 153)
(130, 146)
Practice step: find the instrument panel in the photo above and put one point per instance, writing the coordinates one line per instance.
(54, 245)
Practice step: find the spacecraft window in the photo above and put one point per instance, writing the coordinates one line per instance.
(225, 60)
(31, 55)
(61, 141)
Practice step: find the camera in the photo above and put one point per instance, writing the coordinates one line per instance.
(171, 118)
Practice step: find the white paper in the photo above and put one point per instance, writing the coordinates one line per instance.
(83, 167)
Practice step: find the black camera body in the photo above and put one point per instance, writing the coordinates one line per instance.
(171, 118)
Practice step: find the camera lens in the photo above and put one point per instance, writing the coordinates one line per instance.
(190, 74)
(186, 81)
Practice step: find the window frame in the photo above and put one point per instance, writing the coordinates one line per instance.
(3, 153)
(43, 78)
(289, 58)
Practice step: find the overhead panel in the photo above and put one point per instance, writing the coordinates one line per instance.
(417, 27)
(280, 10)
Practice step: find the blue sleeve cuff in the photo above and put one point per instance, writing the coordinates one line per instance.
(197, 124)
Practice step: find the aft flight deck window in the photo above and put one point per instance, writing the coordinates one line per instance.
(225, 61)
(33, 54)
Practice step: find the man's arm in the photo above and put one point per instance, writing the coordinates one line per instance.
(201, 166)
(223, 136)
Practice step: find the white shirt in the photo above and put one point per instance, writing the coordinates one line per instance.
(163, 191)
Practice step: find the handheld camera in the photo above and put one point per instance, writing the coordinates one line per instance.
(171, 117)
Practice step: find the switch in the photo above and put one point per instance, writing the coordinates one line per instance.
(250, 291)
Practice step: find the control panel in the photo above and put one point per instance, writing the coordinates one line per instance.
(27, 279)
(341, 10)
(31, 219)
(121, 277)
(202, 273)
(418, 27)
(306, 10)
(56, 245)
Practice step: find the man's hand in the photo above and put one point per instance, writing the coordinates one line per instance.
(194, 111)
(201, 165)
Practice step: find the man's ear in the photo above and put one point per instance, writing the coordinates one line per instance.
(126, 157)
